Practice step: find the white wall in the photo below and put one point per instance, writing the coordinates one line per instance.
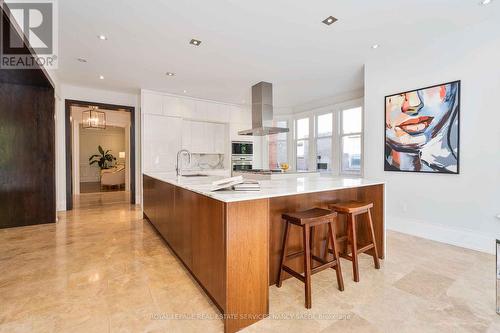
(67, 91)
(456, 209)
(111, 138)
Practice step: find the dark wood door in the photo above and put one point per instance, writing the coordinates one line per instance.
(27, 155)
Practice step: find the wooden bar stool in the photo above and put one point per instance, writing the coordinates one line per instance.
(307, 220)
(352, 209)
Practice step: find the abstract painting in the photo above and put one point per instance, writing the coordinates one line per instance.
(422, 130)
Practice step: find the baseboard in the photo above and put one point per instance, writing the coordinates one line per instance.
(469, 239)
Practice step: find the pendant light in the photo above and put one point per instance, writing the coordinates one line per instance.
(93, 118)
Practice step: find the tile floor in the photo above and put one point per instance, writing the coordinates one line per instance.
(102, 268)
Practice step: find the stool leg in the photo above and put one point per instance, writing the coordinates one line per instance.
(338, 270)
(283, 254)
(375, 251)
(349, 235)
(327, 245)
(354, 247)
(311, 240)
(307, 265)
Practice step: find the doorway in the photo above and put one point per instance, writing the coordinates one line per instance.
(100, 156)
(116, 172)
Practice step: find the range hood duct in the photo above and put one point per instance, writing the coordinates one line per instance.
(262, 111)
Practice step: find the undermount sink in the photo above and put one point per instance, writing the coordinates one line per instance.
(195, 175)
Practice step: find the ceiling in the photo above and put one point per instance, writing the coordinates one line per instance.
(244, 42)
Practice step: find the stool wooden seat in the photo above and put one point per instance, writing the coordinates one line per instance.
(352, 209)
(307, 220)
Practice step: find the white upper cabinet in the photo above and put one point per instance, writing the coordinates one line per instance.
(223, 114)
(240, 114)
(208, 138)
(161, 141)
(172, 106)
(212, 112)
(152, 103)
(204, 137)
(171, 123)
(198, 139)
(186, 135)
(187, 108)
(220, 141)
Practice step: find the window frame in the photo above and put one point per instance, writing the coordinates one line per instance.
(331, 136)
(342, 135)
(309, 139)
(337, 136)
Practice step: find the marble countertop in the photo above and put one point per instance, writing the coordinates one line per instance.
(269, 188)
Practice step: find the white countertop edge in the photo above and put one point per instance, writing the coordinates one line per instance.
(246, 196)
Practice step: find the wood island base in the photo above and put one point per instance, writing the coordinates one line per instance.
(233, 248)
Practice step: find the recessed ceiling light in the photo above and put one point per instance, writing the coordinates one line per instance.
(170, 74)
(102, 37)
(329, 20)
(101, 77)
(195, 42)
(375, 46)
(81, 59)
(485, 2)
(185, 91)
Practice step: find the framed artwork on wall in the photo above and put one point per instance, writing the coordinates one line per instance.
(422, 130)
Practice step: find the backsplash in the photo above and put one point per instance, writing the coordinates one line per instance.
(205, 162)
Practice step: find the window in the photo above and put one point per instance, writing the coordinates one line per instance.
(302, 144)
(278, 152)
(350, 140)
(324, 125)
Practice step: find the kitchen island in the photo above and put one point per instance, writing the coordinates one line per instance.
(231, 241)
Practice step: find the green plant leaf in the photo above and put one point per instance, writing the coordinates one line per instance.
(100, 150)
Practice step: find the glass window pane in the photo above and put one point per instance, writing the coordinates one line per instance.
(325, 125)
(277, 153)
(302, 128)
(278, 146)
(282, 153)
(324, 150)
(283, 124)
(351, 153)
(302, 155)
(351, 120)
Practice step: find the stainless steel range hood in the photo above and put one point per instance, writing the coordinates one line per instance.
(262, 111)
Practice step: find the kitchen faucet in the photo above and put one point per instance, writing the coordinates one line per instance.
(177, 168)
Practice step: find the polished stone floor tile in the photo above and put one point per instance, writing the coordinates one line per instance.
(102, 268)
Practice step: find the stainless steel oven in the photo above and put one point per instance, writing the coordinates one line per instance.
(242, 162)
(242, 148)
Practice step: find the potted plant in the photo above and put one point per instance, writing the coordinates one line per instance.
(104, 159)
